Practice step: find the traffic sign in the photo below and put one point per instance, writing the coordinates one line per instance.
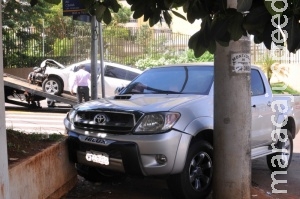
(73, 7)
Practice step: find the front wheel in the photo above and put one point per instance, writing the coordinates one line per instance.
(195, 181)
(280, 161)
(52, 85)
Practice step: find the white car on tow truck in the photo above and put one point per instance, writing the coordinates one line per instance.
(59, 76)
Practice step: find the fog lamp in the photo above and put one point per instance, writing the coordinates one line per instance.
(161, 159)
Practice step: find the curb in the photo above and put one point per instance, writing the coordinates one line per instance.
(49, 174)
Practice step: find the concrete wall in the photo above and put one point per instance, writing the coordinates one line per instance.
(19, 72)
(49, 174)
(292, 77)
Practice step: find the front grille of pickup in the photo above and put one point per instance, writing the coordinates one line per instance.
(107, 121)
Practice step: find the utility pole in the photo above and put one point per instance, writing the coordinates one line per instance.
(94, 52)
(232, 119)
(101, 60)
(4, 179)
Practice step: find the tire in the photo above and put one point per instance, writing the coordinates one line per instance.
(195, 181)
(282, 159)
(94, 174)
(52, 85)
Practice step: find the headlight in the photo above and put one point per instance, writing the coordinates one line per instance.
(157, 122)
(71, 115)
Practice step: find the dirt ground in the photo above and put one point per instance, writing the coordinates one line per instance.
(137, 188)
(21, 146)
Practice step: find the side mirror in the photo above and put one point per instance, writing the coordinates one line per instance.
(118, 90)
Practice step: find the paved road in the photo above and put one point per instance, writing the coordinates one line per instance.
(37, 122)
(262, 176)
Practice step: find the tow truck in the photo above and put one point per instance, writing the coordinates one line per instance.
(20, 92)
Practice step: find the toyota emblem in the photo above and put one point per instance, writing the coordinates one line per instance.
(101, 119)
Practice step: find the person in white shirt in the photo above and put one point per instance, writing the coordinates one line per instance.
(81, 80)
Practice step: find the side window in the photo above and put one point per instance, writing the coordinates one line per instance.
(257, 85)
(131, 75)
(114, 72)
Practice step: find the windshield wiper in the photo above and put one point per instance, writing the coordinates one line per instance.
(169, 92)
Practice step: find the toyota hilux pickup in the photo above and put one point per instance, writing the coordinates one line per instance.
(161, 125)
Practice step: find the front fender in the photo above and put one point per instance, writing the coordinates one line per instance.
(198, 125)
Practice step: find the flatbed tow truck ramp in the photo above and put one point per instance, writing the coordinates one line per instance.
(20, 92)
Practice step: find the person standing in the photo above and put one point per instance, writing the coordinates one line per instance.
(81, 80)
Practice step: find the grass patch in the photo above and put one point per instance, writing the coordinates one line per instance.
(22, 145)
(287, 90)
(35, 136)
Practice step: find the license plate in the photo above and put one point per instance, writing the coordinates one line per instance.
(97, 157)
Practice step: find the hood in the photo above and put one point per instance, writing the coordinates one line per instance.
(52, 63)
(144, 103)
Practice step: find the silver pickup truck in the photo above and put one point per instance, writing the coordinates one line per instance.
(161, 125)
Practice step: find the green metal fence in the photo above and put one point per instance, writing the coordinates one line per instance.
(29, 47)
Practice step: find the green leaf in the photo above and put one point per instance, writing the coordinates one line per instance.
(256, 19)
(293, 29)
(206, 25)
(178, 15)
(115, 6)
(99, 11)
(155, 17)
(147, 14)
(212, 46)
(107, 16)
(186, 6)
(274, 6)
(196, 43)
(296, 9)
(33, 2)
(138, 13)
(219, 28)
(196, 10)
(243, 5)
(178, 3)
(137, 5)
(167, 17)
(193, 40)
(130, 2)
(267, 39)
(223, 43)
(86, 4)
(235, 27)
(222, 5)
(56, 2)
(258, 38)
(202, 40)
(168, 3)
(200, 51)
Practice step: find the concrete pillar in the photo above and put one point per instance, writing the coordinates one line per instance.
(4, 180)
(232, 122)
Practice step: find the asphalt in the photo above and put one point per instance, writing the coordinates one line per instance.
(58, 108)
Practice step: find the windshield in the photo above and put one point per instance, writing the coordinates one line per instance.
(175, 79)
(74, 67)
